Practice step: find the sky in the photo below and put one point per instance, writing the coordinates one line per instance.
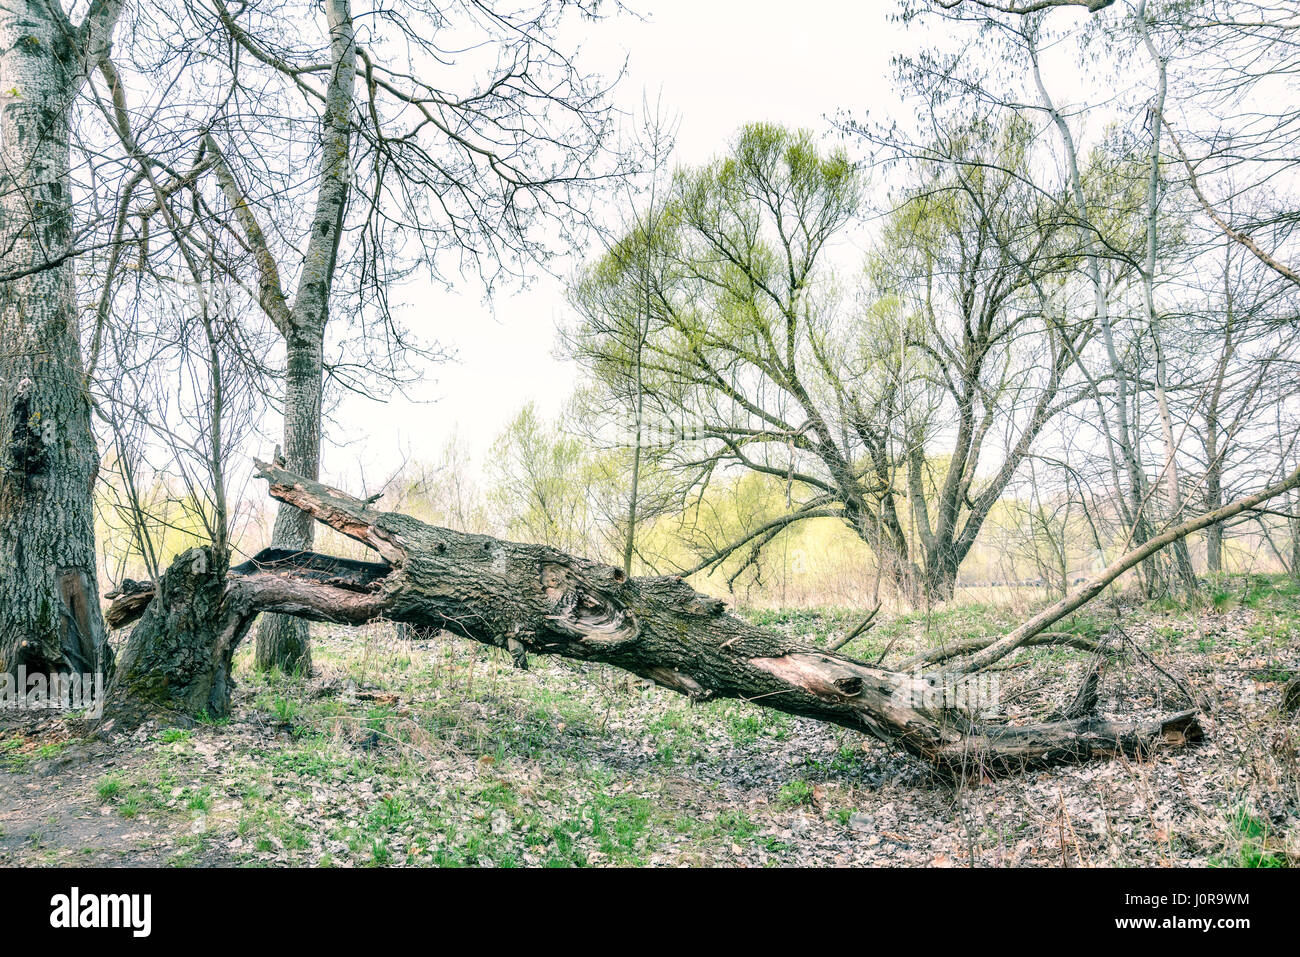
(716, 64)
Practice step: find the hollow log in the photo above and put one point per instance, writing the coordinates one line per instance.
(535, 600)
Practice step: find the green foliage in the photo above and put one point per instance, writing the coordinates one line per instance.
(1222, 600)
(1248, 840)
(200, 800)
(549, 485)
(540, 482)
(285, 709)
(795, 793)
(108, 787)
(726, 309)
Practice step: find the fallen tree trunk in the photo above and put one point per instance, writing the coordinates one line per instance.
(532, 599)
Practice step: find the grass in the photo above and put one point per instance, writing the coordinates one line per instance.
(1223, 600)
(200, 800)
(796, 793)
(452, 757)
(17, 753)
(1248, 842)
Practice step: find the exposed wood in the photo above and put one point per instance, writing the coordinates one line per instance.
(130, 599)
(532, 599)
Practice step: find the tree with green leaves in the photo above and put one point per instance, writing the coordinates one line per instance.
(538, 486)
(762, 361)
(614, 302)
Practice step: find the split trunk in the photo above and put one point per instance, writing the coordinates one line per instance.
(535, 600)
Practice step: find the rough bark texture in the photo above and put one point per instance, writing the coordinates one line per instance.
(178, 658)
(49, 615)
(1213, 499)
(532, 599)
(1294, 502)
(284, 642)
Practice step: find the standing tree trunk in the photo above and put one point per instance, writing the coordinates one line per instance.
(186, 669)
(941, 566)
(49, 610)
(1213, 499)
(1173, 492)
(282, 641)
(1214, 453)
(1293, 501)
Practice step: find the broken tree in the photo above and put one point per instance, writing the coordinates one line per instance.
(532, 599)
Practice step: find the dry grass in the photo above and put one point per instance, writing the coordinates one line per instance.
(441, 753)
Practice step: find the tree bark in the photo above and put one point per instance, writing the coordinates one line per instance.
(283, 641)
(1214, 455)
(178, 660)
(1293, 501)
(1173, 491)
(532, 599)
(941, 573)
(49, 616)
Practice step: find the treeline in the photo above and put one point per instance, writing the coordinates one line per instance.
(545, 481)
(1046, 312)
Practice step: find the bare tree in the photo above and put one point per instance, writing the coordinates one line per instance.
(414, 153)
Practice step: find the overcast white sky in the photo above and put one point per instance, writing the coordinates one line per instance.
(718, 64)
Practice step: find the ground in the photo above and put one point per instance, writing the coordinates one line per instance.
(440, 752)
